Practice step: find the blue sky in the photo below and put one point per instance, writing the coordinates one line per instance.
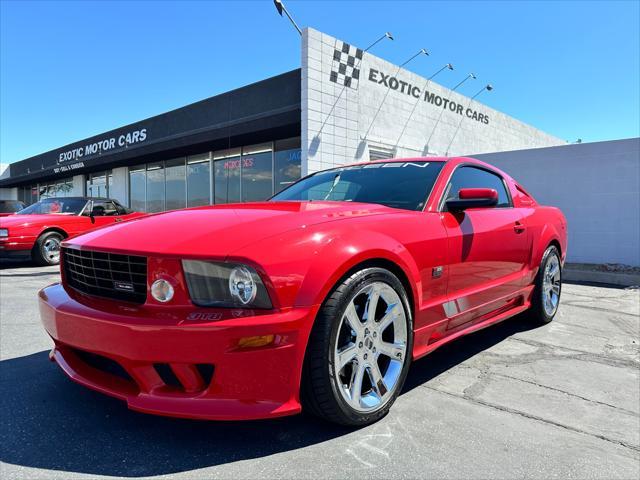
(69, 70)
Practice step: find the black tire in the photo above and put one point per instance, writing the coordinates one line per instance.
(40, 253)
(319, 389)
(537, 313)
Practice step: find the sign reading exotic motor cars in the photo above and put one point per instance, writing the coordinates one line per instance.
(101, 146)
(407, 88)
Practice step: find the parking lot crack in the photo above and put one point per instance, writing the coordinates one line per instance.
(620, 409)
(536, 418)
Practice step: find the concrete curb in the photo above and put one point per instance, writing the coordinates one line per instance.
(622, 279)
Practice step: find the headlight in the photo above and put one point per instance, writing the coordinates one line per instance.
(4, 232)
(214, 284)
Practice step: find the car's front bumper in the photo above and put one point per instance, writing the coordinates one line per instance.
(124, 351)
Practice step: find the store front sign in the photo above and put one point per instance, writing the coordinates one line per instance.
(68, 168)
(394, 83)
(104, 145)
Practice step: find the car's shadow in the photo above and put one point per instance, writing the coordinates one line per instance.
(49, 422)
(31, 269)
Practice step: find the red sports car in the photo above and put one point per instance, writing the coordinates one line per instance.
(319, 298)
(38, 230)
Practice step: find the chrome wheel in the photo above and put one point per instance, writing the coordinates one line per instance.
(371, 347)
(551, 285)
(51, 249)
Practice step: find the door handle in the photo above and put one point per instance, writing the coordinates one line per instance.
(118, 219)
(519, 228)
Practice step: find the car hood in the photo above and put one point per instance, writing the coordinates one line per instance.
(26, 220)
(218, 230)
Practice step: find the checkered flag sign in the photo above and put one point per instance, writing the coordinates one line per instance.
(346, 65)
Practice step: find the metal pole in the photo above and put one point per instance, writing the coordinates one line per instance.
(488, 88)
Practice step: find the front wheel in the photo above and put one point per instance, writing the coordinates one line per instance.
(548, 286)
(46, 251)
(360, 349)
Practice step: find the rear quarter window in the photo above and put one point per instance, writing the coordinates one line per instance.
(523, 196)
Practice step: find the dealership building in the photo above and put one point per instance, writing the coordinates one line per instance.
(343, 105)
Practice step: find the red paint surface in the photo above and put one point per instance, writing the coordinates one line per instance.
(489, 256)
(24, 230)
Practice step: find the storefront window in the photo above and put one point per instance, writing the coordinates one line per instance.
(175, 184)
(98, 184)
(287, 162)
(61, 188)
(244, 174)
(227, 176)
(198, 180)
(155, 187)
(257, 172)
(137, 188)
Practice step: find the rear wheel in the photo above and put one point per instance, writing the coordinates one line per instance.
(360, 349)
(46, 251)
(548, 286)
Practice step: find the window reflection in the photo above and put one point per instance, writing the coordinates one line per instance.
(257, 173)
(176, 188)
(250, 173)
(198, 180)
(227, 176)
(137, 188)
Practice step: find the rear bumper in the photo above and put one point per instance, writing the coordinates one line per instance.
(247, 382)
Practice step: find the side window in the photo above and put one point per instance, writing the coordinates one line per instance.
(472, 177)
(102, 208)
(121, 210)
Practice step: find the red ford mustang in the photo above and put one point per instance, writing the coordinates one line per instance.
(320, 297)
(38, 230)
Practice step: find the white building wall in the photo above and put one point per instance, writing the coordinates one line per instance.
(596, 185)
(341, 123)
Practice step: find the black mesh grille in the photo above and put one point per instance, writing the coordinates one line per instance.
(110, 275)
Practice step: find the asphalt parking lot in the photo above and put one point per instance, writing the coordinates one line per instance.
(559, 401)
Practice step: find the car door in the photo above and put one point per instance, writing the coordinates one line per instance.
(104, 212)
(487, 248)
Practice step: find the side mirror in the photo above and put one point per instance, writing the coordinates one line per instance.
(473, 198)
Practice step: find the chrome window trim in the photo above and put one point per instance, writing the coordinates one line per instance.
(441, 202)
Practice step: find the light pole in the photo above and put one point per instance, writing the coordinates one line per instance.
(447, 66)
(471, 75)
(488, 87)
(281, 8)
(433, 130)
(386, 35)
(422, 51)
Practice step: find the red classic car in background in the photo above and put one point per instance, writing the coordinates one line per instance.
(319, 298)
(9, 207)
(38, 230)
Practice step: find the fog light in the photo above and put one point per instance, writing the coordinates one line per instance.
(162, 290)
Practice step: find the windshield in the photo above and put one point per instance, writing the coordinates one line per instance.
(60, 206)
(10, 206)
(403, 185)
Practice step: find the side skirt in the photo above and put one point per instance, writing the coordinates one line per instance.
(420, 350)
